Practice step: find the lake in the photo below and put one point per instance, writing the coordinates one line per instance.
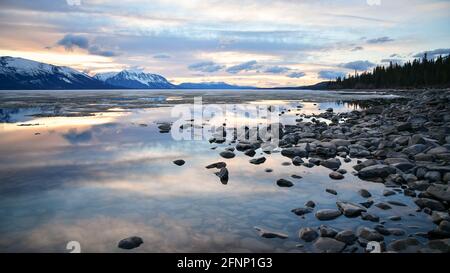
(93, 167)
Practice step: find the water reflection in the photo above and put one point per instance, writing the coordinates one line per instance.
(98, 179)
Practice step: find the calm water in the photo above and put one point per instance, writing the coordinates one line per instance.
(101, 178)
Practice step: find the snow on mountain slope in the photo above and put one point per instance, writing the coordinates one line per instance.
(135, 79)
(19, 73)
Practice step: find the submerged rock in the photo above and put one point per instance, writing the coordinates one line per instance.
(364, 193)
(302, 211)
(270, 234)
(328, 245)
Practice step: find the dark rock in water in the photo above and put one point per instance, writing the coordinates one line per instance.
(286, 164)
(364, 193)
(297, 161)
(342, 171)
(333, 163)
(296, 176)
(382, 230)
(241, 146)
(429, 203)
(376, 171)
(336, 176)
(328, 214)
(164, 127)
(347, 160)
(331, 191)
(326, 231)
(308, 165)
(310, 204)
(369, 234)
(408, 245)
(284, 183)
(130, 243)
(302, 211)
(258, 161)
(388, 193)
(367, 204)
(227, 154)
(308, 234)
(369, 217)
(410, 193)
(315, 161)
(397, 203)
(347, 236)
(179, 162)
(293, 152)
(440, 192)
(328, 245)
(217, 165)
(268, 170)
(223, 175)
(397, 231)
(350, 209)
(395, 218)
(270, 234)
(383, 206)
(250, 153)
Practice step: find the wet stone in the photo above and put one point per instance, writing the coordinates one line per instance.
(130, 243)
(328, 214)
(284, 183)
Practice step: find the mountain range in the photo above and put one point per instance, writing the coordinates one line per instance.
(24, 74)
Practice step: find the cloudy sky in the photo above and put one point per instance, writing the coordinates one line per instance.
(247, 42)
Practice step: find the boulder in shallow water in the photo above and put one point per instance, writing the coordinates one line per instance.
(179, 162)
(284, 183)
(328, 214)
(130, 243)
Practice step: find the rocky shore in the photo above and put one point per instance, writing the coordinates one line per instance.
(404, 145)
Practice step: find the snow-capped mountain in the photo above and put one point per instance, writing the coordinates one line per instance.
(135, 79)
(19, 73)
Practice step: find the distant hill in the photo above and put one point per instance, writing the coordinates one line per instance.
(212, 85)
(19, 73)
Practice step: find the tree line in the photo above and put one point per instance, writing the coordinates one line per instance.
(419, 73)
